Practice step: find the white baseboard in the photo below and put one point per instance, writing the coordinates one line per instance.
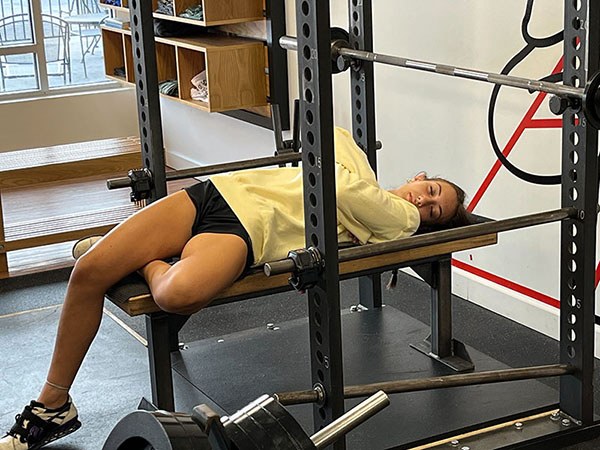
(179, 161)
(512, 305)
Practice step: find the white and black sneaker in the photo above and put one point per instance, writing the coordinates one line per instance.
(37, 426)
(84, 244)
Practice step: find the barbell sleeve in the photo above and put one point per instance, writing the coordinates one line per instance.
(350, 420)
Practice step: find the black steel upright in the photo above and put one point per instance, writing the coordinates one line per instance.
(578, 236)
(362, 89)
(318, 161)
(153, 158)
(148, 99)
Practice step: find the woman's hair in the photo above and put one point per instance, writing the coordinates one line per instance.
(461, 216)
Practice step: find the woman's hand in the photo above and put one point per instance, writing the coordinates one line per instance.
(354, 239)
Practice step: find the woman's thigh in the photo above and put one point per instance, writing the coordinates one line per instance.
(210, 263)
(158, 231)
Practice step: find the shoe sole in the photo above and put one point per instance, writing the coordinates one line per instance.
(60, 432)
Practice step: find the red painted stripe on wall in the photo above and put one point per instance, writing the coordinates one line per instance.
(507, 283)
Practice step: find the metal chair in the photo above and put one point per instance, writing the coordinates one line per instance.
(84, 18)
(17, 29)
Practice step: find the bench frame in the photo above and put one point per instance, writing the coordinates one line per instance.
(433, 263)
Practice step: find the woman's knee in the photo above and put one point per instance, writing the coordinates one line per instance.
(174, 297)
(90, 271)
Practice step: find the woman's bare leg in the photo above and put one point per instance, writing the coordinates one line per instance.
(210, 262)
(158, 231)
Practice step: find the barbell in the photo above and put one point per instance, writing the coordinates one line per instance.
(343, 55)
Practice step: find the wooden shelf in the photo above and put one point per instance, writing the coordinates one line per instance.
(216, 12)
(235, 67)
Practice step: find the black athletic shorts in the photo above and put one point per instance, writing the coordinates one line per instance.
(213, 215)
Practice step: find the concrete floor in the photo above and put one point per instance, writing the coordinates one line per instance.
(115, 374)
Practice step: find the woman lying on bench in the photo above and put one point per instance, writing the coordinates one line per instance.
(220, 228)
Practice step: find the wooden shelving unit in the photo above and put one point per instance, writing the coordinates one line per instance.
(235, 67)
(216, 12)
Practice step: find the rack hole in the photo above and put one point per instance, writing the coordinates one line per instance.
(147, 162)
(574, 138)
(574, 230)
(313, 200)
(576, 43)
(136, 36)
(576, 62)
(317, 299)
(572, 284)
(139, 68)
(358, 118)
(306, 30)
(312, 179)
(319, 338)
(310, 137)
(306, 52)
(575, 120)
(311, 158)
(358, 104)
(359, 132)
(571, 351)
(141, 85)
(574, 157)
(573, 194)
(572, 266)
(307, 74)
(305, 8)
(575, 81)
(146, 148)
(577, 23)
(357, 89)
(133, 4)
(572, 335)
(355, 31)
(320, 356)
(573, 175)
(355, 16)
(138, 52)
(313, 220)
(135, 20)
(308, 95)
(573, 248)
(318, 318)
(314, 240)
(577, 5)
(143, 116)
(572, 319)
(322, 413)
(145, 131)
(321, 375)
(309, 117)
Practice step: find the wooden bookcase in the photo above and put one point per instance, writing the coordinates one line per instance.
(235, 67)
(216, 12)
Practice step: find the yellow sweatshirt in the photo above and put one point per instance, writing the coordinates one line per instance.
(269, 204)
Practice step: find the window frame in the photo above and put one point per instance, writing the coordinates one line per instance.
(38, 50)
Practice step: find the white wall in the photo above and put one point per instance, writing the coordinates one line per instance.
(439, 124)
(66, 119)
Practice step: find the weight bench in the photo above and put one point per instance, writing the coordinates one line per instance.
(133, 296)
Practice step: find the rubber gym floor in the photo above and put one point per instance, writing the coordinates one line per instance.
(114, 376)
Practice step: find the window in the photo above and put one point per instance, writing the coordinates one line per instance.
(47, 45)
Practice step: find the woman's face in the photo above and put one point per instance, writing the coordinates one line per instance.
(436, 200)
